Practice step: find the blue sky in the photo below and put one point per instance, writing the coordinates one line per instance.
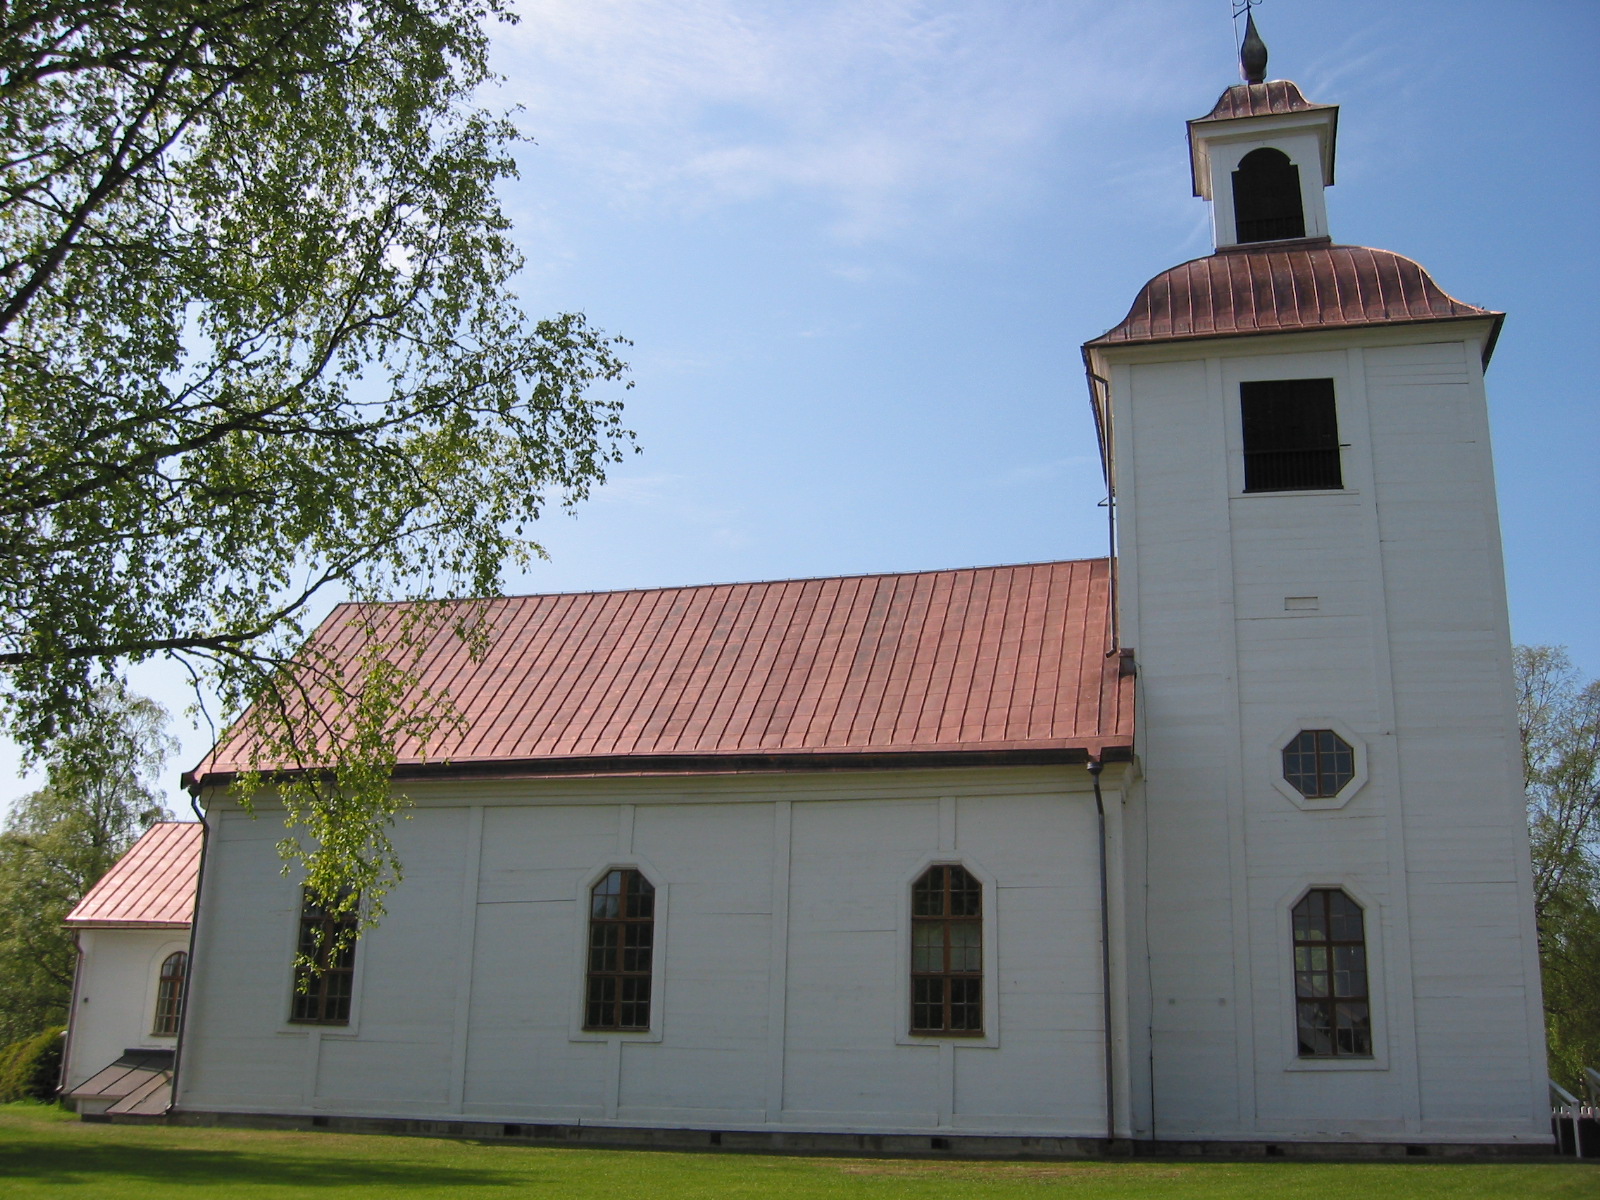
(857, 246)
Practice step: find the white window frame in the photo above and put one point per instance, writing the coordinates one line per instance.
(1347, 793)
(1372, 922)
(990, 1038)
(658, 956)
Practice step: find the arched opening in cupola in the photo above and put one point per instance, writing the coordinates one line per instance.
(1266, 197)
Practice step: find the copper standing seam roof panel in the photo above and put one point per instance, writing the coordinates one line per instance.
(1259, 100)
(1277, 97)
(139, 1082)
(151, 886)
(150, 1099)
(1288, 288)
(988, 659)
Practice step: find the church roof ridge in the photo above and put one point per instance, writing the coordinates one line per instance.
(725, 583)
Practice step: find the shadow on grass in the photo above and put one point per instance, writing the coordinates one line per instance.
(43, 1162)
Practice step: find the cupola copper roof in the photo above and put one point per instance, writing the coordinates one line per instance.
(1267, 99)
(962, 667)
(1274, 98)
(1286, 287)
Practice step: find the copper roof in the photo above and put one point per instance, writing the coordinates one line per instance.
(1287, 287)
(139, 1082)
(848, 671)
(1259, 100)
(1275, 98)
(151, 886)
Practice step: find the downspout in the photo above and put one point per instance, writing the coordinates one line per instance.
(188, 970)
(1095, 767)
(63, 1073)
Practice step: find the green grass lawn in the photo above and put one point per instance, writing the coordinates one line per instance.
(46, 1152)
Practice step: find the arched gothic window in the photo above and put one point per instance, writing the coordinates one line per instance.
(1333, 1011)
(1266, 197)
(947, 952)
(169, 994)
(324, 975)
(622, 919)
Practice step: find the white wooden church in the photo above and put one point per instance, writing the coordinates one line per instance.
(1220, 840)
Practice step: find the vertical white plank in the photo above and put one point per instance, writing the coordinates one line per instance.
(625, 830)
(1398, 1021)
(1225, 402)
(778, 963)
(466, 942)
(313, 1052)
(613, 1077)
(947, 1084)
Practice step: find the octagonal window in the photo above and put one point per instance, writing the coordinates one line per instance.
(1318, 763)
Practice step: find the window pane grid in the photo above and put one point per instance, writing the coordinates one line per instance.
(1333, 1017)
(1318, 763)
(169, 994)
(947, 952)
(323, 991)
(621, 951)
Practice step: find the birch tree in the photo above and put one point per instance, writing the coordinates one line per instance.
(1559, 713)
(259, 346)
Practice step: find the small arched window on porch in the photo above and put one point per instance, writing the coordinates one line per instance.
(169, 994)
(1266, 198)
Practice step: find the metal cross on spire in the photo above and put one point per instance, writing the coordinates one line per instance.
(1252, 50)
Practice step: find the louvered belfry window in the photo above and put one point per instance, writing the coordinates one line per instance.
(947, 952)
(622, 920)
(1291, 435)
(1333, 1012)
(1267, 206)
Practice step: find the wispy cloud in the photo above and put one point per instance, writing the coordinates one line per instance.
(676, 499)
(881, 111)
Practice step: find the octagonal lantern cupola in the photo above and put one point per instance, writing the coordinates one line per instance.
(1263, 156)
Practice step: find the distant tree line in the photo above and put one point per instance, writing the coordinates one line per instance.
(99, 796)
(1559, 715)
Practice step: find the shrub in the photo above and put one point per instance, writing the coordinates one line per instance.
(31, 1068)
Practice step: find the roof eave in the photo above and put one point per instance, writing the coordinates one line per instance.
(1496, 319)
(1114, 749)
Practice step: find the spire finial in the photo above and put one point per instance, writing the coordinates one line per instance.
(1252, 52)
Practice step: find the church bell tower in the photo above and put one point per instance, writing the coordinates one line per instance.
(1328, 894)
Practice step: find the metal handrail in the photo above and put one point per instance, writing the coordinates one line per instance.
(1572, 1109)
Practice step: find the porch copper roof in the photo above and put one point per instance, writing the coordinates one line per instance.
(151, 886)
